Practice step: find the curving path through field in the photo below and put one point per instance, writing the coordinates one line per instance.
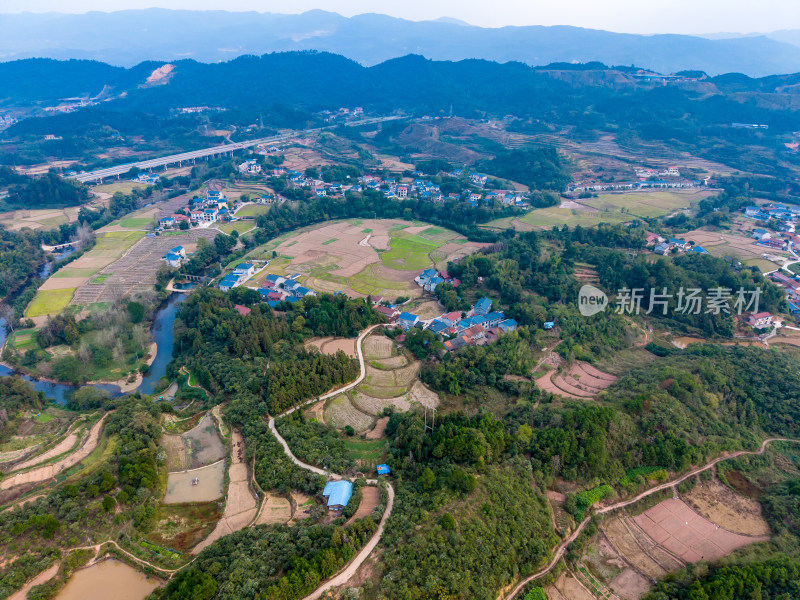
(350, 569)
(50, 471)
(559, 552)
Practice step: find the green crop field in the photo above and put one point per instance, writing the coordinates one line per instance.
(409, 253)
(366, 450)
(239, 226)
(252, 210)
(49, 302)
(135, 222)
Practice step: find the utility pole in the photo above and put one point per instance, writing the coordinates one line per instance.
(433, 419)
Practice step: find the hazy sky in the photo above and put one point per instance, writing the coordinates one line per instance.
(634, 16)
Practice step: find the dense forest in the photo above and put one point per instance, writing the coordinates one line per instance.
(48, 191)
(17, 397)
(20, 257)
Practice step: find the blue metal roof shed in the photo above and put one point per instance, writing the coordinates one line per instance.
(338, 494)
(383, 469)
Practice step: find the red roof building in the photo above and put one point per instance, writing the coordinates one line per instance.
(242, 310)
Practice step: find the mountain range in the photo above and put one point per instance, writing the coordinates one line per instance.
(126, 38)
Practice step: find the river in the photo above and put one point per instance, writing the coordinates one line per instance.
(162, 334)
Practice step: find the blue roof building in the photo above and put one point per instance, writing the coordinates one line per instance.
(438, 327)
(508, 325)
(228, 283)
(338, 494)
(383, 469)
(407, 320)
(483, 306)
(549, 324)
(699, 250)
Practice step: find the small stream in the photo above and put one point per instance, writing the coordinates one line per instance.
(162, 335)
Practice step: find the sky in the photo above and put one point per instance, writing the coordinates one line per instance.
(629, 16)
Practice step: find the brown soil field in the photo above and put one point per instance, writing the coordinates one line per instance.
(630, 585)
(375, 406)
(240, 504)
(567, 587)
(340, 413)
(377, 347)
(176, 453)
(203, 443)
(65, 445)
(275, 509)
(428, 310)
(421, 393)
(370, 498)
(62, 283)
(330, 345)
(394, 362)
(626, 544)
(376, 432)
(720, 504)
(301, 505)
(317, 411)
(682, 531)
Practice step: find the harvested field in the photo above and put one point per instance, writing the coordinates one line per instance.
(724, 507)
(377, 347)
(627, 545)
(340, 413)
(582, 381)
(331, 345)
(428, 310)
(301, 506)
(317, 411)
(209, 487)
(370, 498)
(332, 257)
(375, 406)
(390, 363)
(688, 535)
(135, 271)
(421, 393)
(275, 509)
(630, 585)
(376, 432)
(46, 472)
(240, 504)
(176, 453)
(567, 587)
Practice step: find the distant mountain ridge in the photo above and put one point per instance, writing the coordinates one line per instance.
(127, 38)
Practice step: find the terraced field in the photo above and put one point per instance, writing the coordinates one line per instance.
(581, 381)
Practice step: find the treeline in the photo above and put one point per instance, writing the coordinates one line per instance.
(774, 579)
(16, 396)
(20, 257)
(314, 443)
(538, 168)
(373, 204)
(292, 562)
(47, 191)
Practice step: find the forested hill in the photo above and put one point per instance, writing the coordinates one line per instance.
(472, 88)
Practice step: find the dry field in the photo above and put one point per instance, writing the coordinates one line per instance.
(275, 509)
(340, 413)
(378, 257)
(331, 345)
(582, 381)
(376, 432)
(240, 504)
(198, 447)
(734, 512)
(737, 245)
(567, 587)
(684, 533)
(370, 498)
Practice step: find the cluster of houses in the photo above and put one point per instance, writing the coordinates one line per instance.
(430, 278)
(479, 326)
(279, 289)
(664, 246)
(786, 215)
(418, 188)
(175, 257)
(647, 184)
(249, 167)
(213, 208)
(644, 173)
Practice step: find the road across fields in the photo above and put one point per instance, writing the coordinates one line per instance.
(559, 552)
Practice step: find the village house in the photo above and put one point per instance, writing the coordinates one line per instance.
(391, 314)
(244, 269)
(482, 307)
(167, 222)
(407, 320)
(229, 282)
(762, 320)
(338, 494)
(760, 234)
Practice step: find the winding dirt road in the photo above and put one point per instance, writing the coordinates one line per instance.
(350, 569)
(559, 552)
